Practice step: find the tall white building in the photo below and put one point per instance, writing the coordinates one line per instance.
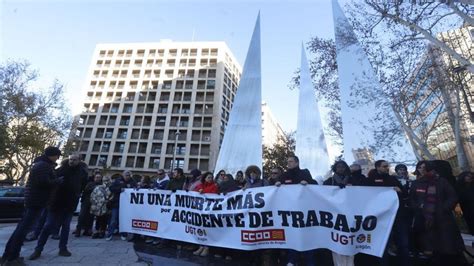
(156, 105)
(271, 129)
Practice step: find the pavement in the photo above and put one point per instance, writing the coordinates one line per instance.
(85, 250)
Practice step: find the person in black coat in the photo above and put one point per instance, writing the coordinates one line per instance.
(117, 186)
(356, 173)
(465, 190)
(342, 176)
(62, 204)
(294, 174)
(86, 219)
(38, 188)
(400, 229)
(433, 200)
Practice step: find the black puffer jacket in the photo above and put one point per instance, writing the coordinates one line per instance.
(40, 182)
(66, 194)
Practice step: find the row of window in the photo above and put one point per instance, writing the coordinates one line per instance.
(204, 62)
(149, 108)
(159, 52)
(153, 162)
(142, 147)
(144, 134)
(153, 85)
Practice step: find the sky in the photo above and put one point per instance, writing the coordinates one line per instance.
(58, 37)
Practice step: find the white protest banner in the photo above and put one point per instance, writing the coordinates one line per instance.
(346, 221)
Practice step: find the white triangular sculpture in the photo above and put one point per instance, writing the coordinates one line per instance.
(352, 63)
(242, 143)
(311, 146)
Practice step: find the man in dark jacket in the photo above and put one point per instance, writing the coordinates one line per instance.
(400, 230)
(62, 204)
(177, 182)
(38, 188)
(118, 185)
(295, 175)
(356, 173)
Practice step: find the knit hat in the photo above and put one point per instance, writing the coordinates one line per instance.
(52, 151)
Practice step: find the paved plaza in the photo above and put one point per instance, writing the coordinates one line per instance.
(85, 251)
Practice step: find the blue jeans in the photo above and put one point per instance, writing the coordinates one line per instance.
(293, 257)
(113, 223)
(55, 220)
(13, 247)
(40, 223)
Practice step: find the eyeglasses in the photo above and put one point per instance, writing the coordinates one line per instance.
(161, 173)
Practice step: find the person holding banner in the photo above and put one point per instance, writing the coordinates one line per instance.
(207, 186)
(400, 232)
(342, 177)
(296, 175)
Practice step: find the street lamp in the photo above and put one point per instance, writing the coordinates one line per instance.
(176, 136)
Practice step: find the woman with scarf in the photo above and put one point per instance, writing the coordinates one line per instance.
(342, 177)
(433, 200)
(207, 186)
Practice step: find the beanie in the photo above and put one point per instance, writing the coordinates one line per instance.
(52, 151)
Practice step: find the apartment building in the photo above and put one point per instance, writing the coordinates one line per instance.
(156, 105)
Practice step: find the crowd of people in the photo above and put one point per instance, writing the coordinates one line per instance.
(425, 226)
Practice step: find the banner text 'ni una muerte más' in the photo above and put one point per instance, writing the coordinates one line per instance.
(347, 221)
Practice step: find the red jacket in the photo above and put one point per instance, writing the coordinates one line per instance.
(208, 188)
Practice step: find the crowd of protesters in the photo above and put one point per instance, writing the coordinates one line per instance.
(425, 226)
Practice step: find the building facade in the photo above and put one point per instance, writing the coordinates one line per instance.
(431, 91)
(272, 132)
(156, 105)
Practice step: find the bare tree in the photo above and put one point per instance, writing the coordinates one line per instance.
(32, 118)
(419, 21)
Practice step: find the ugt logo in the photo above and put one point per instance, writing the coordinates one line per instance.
(147, 225)
(249, 236)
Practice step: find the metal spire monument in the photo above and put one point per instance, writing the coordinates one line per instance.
(359, 116)
(311, 146)
(242, 143)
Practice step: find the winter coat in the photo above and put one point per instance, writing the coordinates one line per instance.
(386, 180)
(66, 194)
(116, 188)
(207, 188)
(334, 181)
(175, 184)
(86, 194)
(161, 184)
(465, 193)
(40, 183)
(257, 183)
(99, 197)
(228, 186)
(357, 178)
(444, 236)
(296, 175)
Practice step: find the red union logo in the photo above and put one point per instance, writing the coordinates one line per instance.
(262, 235)
(148, 225)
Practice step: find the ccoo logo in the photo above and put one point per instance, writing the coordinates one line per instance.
(262, 235)
(147, 225)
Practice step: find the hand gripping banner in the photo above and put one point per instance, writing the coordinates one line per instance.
(347, 221)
